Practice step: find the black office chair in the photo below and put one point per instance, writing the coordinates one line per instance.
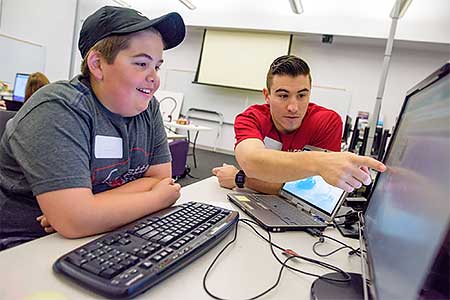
(5, 115)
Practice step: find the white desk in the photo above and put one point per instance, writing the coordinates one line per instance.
(175, 136)
(244, 270)
(189, 127)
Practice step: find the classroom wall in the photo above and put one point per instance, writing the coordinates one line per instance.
(45, 22)
(352, 64)
(349, 63)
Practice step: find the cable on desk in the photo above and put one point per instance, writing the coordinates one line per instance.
(291, 255)
(344, 246)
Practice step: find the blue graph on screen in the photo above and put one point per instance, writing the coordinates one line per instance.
(315, 191)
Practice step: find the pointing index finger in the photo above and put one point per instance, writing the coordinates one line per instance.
(371, 163)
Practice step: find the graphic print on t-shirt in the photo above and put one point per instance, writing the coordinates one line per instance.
(109, 173)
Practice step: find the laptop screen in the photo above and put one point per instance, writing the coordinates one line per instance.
(19, 87)
(316, 192)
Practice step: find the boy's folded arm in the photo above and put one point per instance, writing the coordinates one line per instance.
(76, 212)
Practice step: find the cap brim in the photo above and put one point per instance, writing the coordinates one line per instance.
(171, 27)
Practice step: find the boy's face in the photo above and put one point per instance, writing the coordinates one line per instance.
(288, 99)
(128, 84)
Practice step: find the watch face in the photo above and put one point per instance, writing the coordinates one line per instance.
(240, 179)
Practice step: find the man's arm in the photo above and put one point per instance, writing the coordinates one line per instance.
(77, 212)
(344, 170)
(226, 177)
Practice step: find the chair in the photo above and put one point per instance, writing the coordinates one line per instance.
(205, 115)
(5, 115)
(179, 151)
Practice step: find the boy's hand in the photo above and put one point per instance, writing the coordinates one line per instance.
(348, 171)
(168, 191)
(45, 224)
(226, 175)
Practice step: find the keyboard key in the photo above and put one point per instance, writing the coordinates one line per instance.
(146, 265)
(93, 267)
(151, 234)
(143, 253)
(144, 231)
(167, 240)
(76, 260)
(124, 241)
(108, 273)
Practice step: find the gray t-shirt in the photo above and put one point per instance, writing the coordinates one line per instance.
(63, 137)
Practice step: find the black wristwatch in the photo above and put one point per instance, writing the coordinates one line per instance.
(240, 179)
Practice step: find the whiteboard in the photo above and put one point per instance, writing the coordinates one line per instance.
(18, 56)
(230, 102)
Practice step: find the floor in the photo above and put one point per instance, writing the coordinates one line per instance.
(206, 160)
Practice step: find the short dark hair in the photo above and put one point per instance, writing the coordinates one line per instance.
(110, 46)
(287, 65)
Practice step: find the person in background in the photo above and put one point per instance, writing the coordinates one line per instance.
(88, 155)
(270, 138)
(35, 81)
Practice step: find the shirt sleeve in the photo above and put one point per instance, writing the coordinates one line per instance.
(161, 151)
(329, 132)
(246, 126)
(51, 143)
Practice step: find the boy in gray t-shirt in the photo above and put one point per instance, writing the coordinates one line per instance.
(89, 155)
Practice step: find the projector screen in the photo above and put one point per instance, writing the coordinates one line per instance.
(239, 59)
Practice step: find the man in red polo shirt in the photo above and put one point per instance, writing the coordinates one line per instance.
(288, 122)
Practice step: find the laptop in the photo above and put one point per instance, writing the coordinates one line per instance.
(18, 95)
(301, 204)
(19, 87)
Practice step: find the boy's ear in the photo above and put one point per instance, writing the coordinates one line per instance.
(94, 63)
(266, 95)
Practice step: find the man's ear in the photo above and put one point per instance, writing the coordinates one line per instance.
(266, 94)
(94, 62)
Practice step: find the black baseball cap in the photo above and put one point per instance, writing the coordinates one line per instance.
(112, 20)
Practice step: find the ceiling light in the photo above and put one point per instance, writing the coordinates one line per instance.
(400, 8)
(296, 6)
(188, 4)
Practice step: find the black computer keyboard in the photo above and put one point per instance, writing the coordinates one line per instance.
(130, 260)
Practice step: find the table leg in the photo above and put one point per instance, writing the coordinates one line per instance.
(193, 149)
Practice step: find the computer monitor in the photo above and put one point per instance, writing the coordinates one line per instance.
(347, 129)
(364, 141)
(19, 87)
(405, 228)
(355, 136)
(383, 143)
(377, 139)
(409, 211)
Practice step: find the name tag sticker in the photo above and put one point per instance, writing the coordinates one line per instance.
(272, 144)
(242, 198)
(108, 147)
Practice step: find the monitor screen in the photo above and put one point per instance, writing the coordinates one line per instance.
(19, 87)
(316, 191)
(408, 214)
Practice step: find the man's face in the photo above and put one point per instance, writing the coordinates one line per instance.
(288, 100)
(129, 83)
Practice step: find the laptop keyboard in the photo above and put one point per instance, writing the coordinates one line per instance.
(130, 260)
(287, 212)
